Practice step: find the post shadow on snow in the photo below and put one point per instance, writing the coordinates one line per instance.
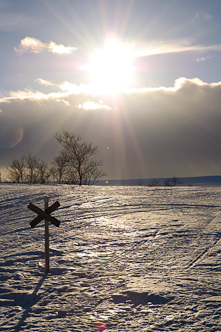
(30, 256)
(11, 261)
(27, 301)
(23, 257)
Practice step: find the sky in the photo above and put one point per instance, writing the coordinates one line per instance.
(139, 78)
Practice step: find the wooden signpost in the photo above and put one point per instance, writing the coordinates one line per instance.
(47, 217)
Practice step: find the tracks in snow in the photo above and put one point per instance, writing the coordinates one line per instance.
(215, 225)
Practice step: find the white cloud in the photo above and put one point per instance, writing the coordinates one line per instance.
(44, 82)
(33, 45)
(38, 96)
(203, 58)
(30, 45)
(202, 15)
(90, 105)
(68, 90)
(60, 49)
(29, 94)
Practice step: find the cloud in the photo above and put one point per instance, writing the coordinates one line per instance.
(44, 82)
(33, 45)
(67, 90)
(203, 58)
(202, 15)
(70, 88)
(150, 132)
(37, 96)
(60, 49)
(90, 105)
(30, 45)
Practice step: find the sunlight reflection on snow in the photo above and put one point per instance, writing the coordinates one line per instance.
(138, 242)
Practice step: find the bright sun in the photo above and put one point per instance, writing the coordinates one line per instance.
(111, 68)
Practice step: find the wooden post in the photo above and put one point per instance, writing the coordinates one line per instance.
(47, 269)
(45, 215)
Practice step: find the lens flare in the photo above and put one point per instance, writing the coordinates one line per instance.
(11, 131)
(101, 326)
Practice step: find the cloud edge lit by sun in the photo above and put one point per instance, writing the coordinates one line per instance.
(33, 45)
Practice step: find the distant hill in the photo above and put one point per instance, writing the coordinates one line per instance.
(183, 181)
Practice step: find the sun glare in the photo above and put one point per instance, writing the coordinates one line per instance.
(111, 68)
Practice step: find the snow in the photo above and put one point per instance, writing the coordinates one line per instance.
(123, 259)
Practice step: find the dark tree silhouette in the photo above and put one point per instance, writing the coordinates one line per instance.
(32, 166)
(59, 167)
(153, 183)
(16, 170)
(172, 182)
(43, 171)
(77, 155)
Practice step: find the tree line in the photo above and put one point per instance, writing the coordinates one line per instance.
(168, 182)
(74, 164)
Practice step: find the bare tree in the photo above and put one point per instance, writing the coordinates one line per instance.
(93, 175)
(153, 183)
(175, 181)
(32, 167)
(16, 170)
(78, 155)
(43, 171)
(70, 176)
(167, 183)
(172, 182)
(53, 173)
(60, 166)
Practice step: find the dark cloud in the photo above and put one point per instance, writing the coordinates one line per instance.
(154, 133)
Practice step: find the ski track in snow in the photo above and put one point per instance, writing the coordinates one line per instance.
(127, 258)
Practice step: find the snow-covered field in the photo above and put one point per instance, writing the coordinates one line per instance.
(123, 259)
